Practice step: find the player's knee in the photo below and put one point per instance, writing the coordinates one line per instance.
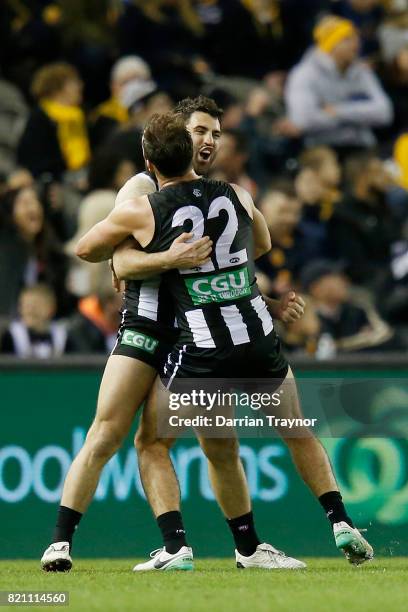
(103, 442)
(221, 451)
(149, 445)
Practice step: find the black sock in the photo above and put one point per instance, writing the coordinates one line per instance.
(244, 534)
(67, 522)
(333, 506)
(172, 529)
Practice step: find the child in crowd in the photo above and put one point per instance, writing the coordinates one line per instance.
(35, 334)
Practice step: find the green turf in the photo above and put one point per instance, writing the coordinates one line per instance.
(328, 585)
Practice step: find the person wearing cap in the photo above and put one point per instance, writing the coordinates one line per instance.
(332, 97)
(130, 79)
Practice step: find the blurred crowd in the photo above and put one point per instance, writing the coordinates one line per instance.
(315, 127)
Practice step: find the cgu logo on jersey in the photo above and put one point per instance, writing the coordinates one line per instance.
(138, 340)
(219, 287)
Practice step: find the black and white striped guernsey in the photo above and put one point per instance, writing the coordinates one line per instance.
(147, 304)
(219, 304)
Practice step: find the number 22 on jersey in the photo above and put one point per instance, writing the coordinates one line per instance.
(223, 255)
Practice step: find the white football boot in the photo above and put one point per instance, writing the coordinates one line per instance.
(355, 548)
(267, 557)
(57, 558)
(162, 560)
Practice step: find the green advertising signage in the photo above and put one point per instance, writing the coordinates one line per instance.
(44, 418)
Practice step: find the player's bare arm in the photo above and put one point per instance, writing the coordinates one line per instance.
(130, 263)
(262, 238)
(132, 217)
(139, 185)
(290, 307)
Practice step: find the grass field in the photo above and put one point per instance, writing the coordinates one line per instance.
(328, 585)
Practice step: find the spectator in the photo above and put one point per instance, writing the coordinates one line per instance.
(29, 252)
(366, 233)
(130, 70)
(326, 173)
(348, 323)
(232, 106)
(258, 112)
(317, 186)
(35, 333)
(142, 104)
(230, 163)
(55, 138)
(401, 159)
(30, 37)
(396, 80)
(94, 328)
(393, 33)
(282, 211)
(331, 96)
(275, 33)
(394, 73)
(88, 40)
(367, 16)
(13, 114)
(108, 172)
(177, 31)
(20, 177)
(127, 139)
(362, 229)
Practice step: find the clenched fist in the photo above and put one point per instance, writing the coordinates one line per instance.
(290, 308)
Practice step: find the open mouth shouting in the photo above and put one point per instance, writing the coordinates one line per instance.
(205, 154)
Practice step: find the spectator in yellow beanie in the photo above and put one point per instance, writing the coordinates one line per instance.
(331, 96)
(55, 139)
(332, 31)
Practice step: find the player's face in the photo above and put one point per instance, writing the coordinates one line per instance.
(205, 132)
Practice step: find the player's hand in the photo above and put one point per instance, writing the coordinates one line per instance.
(291, 307)
(117, 284)
(183, 254)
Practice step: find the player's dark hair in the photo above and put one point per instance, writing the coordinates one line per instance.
(168, 145)
(201, 104)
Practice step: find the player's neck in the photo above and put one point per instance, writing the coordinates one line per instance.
(166, 182)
